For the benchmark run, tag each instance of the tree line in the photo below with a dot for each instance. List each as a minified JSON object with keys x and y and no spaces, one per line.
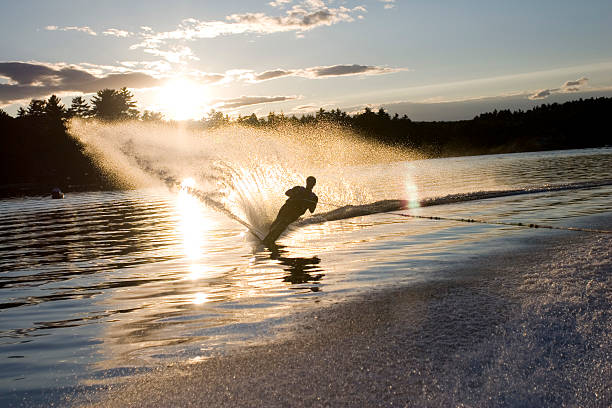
{"x":106,"y":104}
{"x":36,"y":152}
{"x":576,"y":124}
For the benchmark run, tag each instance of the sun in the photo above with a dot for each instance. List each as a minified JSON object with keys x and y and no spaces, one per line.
{"x":182,"y":99}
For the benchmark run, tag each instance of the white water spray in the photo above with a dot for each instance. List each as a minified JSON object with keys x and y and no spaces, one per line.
{"x":238,"y":170}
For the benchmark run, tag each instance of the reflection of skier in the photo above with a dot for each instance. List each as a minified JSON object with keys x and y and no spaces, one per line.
{"x":300,"y":199}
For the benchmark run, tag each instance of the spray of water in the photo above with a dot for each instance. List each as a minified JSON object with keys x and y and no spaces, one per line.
{"x":238,"y":170}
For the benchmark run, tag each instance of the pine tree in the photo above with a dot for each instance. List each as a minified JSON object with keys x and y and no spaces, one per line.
{"x":129,"y":110}
{"x":54,"y":110}
{"x":79,"y":108}
{"x":4,"y":116}
{"x":36,"y":109}
{"x":110,"y":104}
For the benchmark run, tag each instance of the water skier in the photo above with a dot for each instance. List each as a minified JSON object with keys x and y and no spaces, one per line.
{"x":300,"y":199}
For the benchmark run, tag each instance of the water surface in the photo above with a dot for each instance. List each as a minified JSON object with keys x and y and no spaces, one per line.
{"x":105,"y":284}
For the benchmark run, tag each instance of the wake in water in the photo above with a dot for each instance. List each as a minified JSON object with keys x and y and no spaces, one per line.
{"x":350,"y":211}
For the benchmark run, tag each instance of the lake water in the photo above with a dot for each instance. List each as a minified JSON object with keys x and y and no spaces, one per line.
{"x":102,"y":285}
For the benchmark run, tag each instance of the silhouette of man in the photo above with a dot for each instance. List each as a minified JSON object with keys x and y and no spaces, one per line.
{"x":300,"y":199}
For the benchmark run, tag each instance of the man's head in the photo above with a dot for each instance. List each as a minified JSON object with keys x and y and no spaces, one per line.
{"x":310,"y":182}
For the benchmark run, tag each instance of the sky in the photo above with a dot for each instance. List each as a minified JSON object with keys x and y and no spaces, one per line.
{"x":430,"y":60}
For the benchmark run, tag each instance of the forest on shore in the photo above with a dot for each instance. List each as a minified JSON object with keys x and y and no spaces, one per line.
{"x":37,"y":153}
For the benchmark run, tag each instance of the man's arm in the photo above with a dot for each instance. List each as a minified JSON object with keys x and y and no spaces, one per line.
{"x":291,"y":191}
{"x":313,"y":204}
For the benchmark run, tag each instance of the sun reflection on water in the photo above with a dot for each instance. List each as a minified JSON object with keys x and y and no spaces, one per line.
{"x":412,"y":192}
{"x":200,"y":298}
{"x":193,"y":224}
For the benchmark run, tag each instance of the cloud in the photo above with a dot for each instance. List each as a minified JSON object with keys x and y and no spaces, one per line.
{"x":178,"y":54}
{"x":250,"y":100}
{"x":297,"y":18}
{"x":207,"y":77}
{"x":279,"y":3}
{"x":151,"y":67}
{"x":567,"y":87}
{"x":319,"y":72}
{"x":238,"y":75}
{"x":579,"y":82}
{"x":267,"y":75}
{"x":305,"y":107}
{"x":343,"y":70}
{"x":542,"y":93}
{"x":300,"y":18}
{"x":114,"y":32}
{"x":38,"y":80}
{"x":85,"y":29}
{"x":574,"y":86}
{"x":389,"y":4}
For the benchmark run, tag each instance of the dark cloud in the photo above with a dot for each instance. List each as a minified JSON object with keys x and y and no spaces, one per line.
{"x":251,"y":100}
{"x":543,"y":93}
{"x":128,"y":80}
{"x":211,"y":78}
{"x":575,"y":84}
{"x":340,"y":70}
{"x":36,"y":80}
{"x":317,"y":18}
{"x":325,"y":72}
{"x":25,"y":73}
{"x":305,"y":107}
{"x":568,"y":86}
{"x":311,"y":73}
{"x":264,"y":76}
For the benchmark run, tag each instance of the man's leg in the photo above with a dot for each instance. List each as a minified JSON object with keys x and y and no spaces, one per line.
{"x":276,"y":229}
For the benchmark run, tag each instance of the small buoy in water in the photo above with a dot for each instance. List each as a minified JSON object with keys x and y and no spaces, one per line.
{"x":57,"y":193}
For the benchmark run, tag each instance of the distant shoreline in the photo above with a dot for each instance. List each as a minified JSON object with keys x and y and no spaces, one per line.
{"x":37,"y":153}
{"x":43,"y":189}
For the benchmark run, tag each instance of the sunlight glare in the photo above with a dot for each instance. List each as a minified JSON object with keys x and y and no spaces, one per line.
{"x":412,"y":193}
{"x":183,"y":99}
{"x":189,"y":182}
{"x":200,"y":298}
{"x":193,"y":223}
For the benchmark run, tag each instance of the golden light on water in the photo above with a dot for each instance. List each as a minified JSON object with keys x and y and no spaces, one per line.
{"x":193,"y":222}
{"x":193,"y":226}
{"x":197,"y":271}
{"x":412,"y":193}
{"x":200,"y":298}
{"x":181,"y":99}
